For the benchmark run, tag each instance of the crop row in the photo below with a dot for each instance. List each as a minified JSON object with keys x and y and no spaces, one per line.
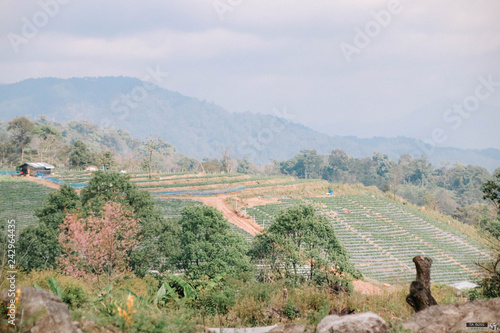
{"x":382,"y":238}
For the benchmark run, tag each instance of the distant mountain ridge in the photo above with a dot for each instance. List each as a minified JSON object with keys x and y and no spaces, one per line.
{"x":199,"y":128}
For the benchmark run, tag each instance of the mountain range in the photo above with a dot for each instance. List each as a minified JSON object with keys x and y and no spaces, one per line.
{"x":200,"y":128}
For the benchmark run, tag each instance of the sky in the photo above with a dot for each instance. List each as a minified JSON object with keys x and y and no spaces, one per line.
{"x":347,"y":67}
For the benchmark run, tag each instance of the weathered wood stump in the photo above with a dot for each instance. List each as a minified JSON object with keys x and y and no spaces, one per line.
{"x":420,"y":290}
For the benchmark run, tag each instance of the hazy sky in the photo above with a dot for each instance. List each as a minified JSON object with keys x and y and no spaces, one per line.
{"x":330,"y":63}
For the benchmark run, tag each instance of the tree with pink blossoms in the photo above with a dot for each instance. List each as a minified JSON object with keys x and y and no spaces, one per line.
{"x":99,"y":245}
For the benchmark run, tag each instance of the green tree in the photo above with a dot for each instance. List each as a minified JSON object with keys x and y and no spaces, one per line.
{"x":21,"y":129}
{"x":209,"y":246}
{"x":300,"y":238}
{"x":159,"y":236}
{"x":107,"y":160}
{"x":490,"y":285}
{"x":491,"y":190}
{"x":79,"y":156}
{"x":243,"y":166}
{"x":338,"y":166}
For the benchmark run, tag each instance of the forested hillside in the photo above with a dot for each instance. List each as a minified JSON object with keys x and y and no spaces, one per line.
{"x":199,"y":128}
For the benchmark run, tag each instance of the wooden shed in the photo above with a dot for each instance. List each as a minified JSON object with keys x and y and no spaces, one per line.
{"x":33,"y":169}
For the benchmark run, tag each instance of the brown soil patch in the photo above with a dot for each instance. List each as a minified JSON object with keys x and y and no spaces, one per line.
{"x":42,"y":182}
{"x":252,"y":202}
{"x":230,"y":214}
{"x":366,"y":288}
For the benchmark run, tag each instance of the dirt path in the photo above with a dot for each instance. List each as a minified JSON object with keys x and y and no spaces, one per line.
{"x":229,"y":213}
{"x":42,"y":182}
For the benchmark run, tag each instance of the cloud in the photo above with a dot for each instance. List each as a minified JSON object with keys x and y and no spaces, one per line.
{"x":267,"y":54}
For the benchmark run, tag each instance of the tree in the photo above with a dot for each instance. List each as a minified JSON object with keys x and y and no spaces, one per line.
{"x":6,"y":147}
{"x":227,"y":163}
{"x":107,"y":160}
{"x":38,"y":247}
{"x":21,"y":129}
{"x":152,"y":144}
{"x":49,"y":136}
{"x":338,"y":166}
{"x":297,"y":238}
{"x":243,"y":165}
{"x":99,"y":245}
{"x":209,"y":246}
{"x":159,"y":236}
{"x":490,"y":284}
{"x":79,"y":156}
{"x":491,"y":190}
{"x":421,"y":171}
{"x":306,"y":165}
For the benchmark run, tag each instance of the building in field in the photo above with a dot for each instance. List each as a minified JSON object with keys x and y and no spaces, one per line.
{"x":33,"y":169}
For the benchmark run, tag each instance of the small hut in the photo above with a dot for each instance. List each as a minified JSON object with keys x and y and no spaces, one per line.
{"x":33,"y":169}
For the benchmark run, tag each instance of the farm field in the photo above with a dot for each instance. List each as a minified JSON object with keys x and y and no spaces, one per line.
{"x":383,"y":236}
{"x":168,"y":185}
{"x":19,"y":198}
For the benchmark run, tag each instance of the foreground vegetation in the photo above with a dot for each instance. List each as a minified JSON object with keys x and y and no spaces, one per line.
{"x":228,"y":302}
{"x":284,"y":275}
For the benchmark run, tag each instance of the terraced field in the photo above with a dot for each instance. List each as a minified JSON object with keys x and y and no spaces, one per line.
{"x":383,"y":236}
{"x":168,"y":185}
{"x":19,"y":198}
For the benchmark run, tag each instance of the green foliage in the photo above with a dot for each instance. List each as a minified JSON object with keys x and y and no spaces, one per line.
{"x":79,"y":156}
{"x":299,"y":237}
{"x":39,"y":247}
{"x":289,"y":310}
{"x":21,"y":131}
{"x":491,"y":191}
{"x":58,"y":204}
{"x":55,"y":287}
{"x":490,"y":285}
{"x":209,"y":246}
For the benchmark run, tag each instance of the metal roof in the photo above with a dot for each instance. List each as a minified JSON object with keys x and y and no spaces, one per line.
{"x":41,"y":165}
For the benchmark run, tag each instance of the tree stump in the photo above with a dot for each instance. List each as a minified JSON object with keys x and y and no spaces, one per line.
{"x":420,"y":290}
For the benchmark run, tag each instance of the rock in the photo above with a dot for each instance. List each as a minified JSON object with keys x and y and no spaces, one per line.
{"x":366,"y":322}
{"x":54,"y":315}
{"x":453,"y":317}
{"x":291,"y":328}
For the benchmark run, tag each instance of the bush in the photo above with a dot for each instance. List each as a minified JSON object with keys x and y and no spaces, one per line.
{"x":75,"y":296}
{"x":289,"y":311}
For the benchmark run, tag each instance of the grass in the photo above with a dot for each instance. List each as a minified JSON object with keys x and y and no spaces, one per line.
{"x":172,"y":208}
{"x":247,"y":303}
{"x":19,"y":199}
